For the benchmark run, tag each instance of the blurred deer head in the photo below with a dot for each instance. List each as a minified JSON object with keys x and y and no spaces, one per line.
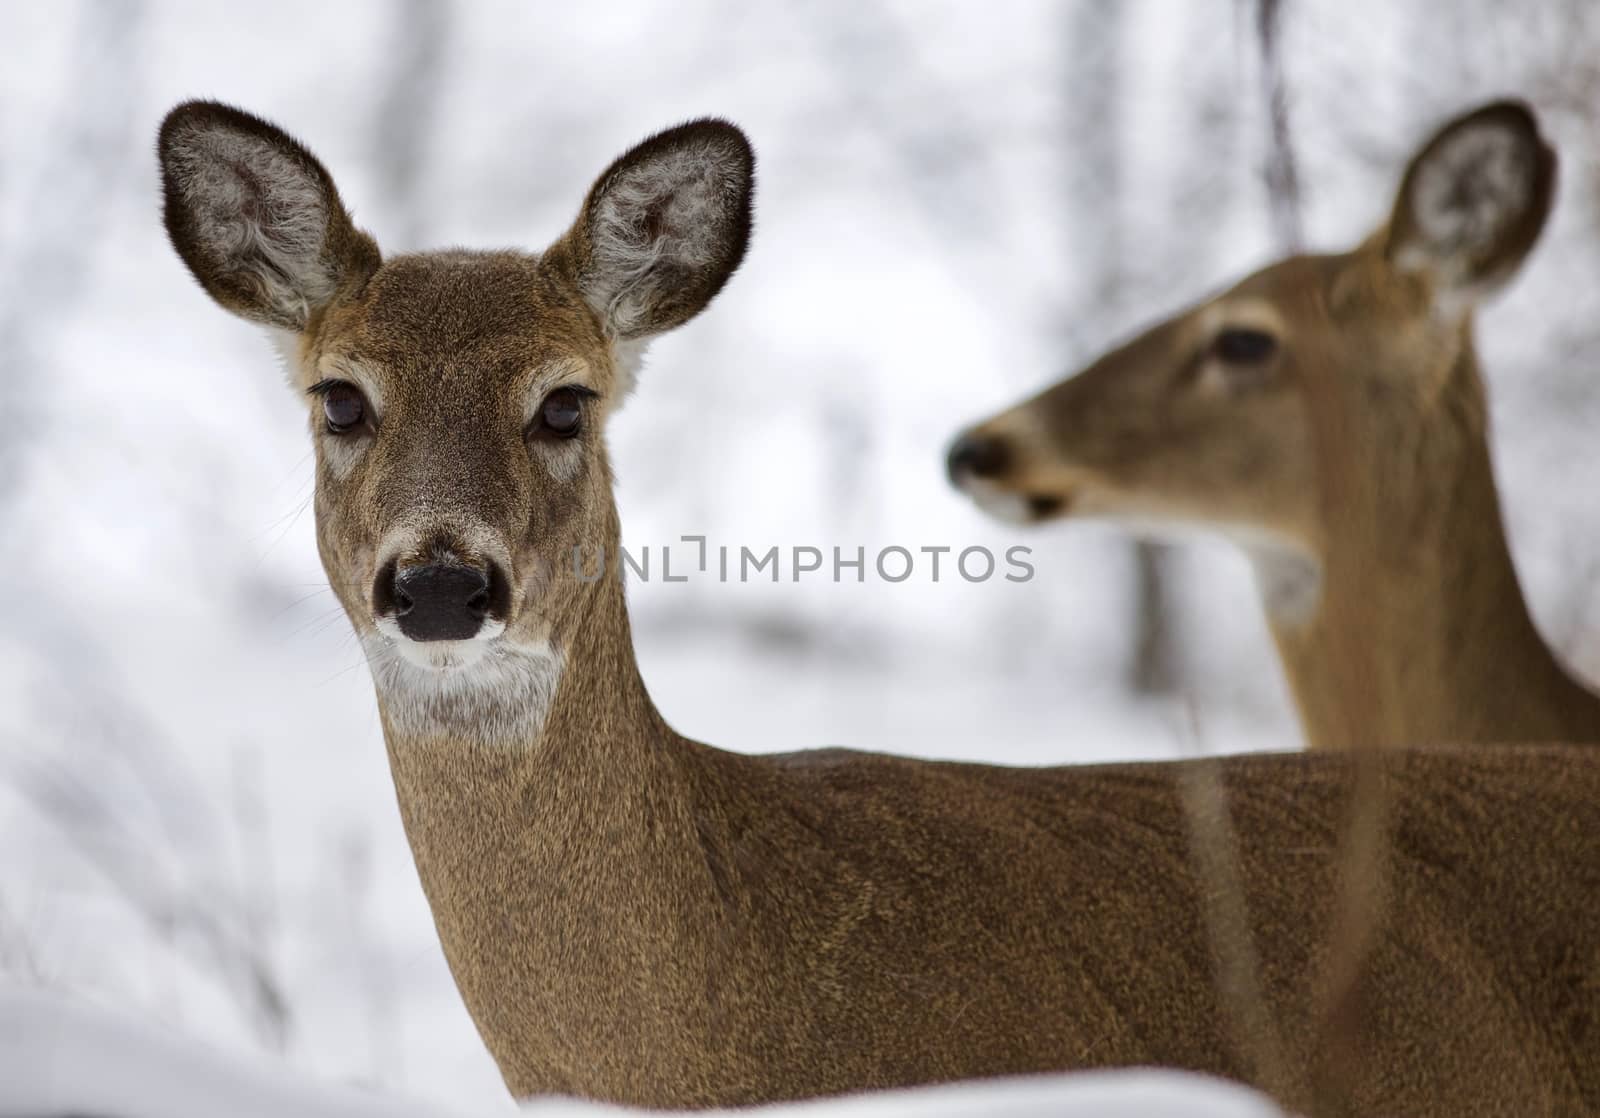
{"x":1328,"y":413}
{"x":1204,"y":418}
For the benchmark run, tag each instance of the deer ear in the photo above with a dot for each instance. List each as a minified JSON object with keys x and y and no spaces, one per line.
{"x":1473,"y":201}
{"x":255,"y":217}
{"x":663,"y":228}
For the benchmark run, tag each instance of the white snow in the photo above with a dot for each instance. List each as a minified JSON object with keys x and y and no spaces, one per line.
{"x":60,"y":1058}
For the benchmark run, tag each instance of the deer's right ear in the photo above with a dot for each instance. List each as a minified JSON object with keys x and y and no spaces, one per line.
{"x":255,"y":217}
{"x":1474,"y":201}
{"x":663,"y":228}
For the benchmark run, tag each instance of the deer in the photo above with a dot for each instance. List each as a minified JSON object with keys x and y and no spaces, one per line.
{"x":637,"y":917}
{"x":1328,"y":414}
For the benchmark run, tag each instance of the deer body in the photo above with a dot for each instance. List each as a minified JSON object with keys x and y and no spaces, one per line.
{"x":635,"y":917}
{"x":646,"y":920}
{"x":1329,"y":413}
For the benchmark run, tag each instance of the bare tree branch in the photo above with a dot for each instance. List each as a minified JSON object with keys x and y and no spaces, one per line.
{"x":1282,"y":175}
{"x":66,"y":207}
{"x":418,"y":47}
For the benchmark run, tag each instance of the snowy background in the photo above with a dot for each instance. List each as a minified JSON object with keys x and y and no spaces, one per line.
{"x":48,"y":1040}
{"x":958,"y":203}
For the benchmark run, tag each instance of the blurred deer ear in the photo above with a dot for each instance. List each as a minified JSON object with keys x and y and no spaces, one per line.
{"x":255,"y":217}
{"x":1473,"y":201}
{"x":663,"y":228}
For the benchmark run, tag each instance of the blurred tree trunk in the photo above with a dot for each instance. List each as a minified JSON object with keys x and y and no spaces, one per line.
{"x":1156,"y":667}
{"x":1096,"y":177}
{"x":1282,"y":173}
{"x":67,"y":203}
{"x":418,"y":42}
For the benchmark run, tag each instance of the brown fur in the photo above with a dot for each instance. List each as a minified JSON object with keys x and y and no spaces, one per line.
{"x":636,"y":917}
{"x":1358,"y":455}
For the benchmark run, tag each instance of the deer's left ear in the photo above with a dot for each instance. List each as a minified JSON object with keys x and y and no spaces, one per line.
{"x":1473,"y":202}
{"x":663,"y":229}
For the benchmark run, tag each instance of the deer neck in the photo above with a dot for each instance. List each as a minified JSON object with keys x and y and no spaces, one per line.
{"x":539,"y":853}
{"x":1419,"y":632}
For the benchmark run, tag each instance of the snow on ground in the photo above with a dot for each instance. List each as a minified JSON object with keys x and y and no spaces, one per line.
{"x":60,"y":1058}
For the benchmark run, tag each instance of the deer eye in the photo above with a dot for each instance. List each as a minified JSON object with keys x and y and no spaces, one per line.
{"x":1244,"y":347}
{"x":343,"y":407}
{"x":561,"y":414}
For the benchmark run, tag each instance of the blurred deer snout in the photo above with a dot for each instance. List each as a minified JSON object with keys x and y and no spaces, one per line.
{"x":440,"y":601}
{"x":974,"y":456}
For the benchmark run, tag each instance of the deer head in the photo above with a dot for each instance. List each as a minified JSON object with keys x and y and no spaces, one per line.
{"x":1208,"y":417}
{"x":457,"y":400}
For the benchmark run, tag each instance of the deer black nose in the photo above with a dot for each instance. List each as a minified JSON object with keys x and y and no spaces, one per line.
{"x":978,"y":456}
{"x":440,"y":601}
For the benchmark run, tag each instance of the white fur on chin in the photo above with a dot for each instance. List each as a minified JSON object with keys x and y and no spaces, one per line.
{"x":1002,"y":504}
{"x":486,"y":689}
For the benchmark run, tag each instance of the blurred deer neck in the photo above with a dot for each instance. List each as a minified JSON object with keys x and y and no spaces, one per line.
{"x":1420,"y":633}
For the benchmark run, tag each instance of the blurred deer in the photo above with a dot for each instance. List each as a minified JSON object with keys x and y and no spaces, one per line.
{"x":636,"y":917}
{"x":1328,"y":414}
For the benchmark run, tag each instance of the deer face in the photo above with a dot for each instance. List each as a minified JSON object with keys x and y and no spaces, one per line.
{"x":456,"y":400}
{"x":1196,"y":419}
{"x":1209,"y":417}
{"x":457,"y":404}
